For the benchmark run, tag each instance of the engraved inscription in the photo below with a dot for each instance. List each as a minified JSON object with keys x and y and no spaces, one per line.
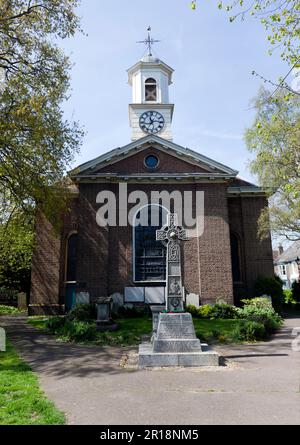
{"x":175,"y":326}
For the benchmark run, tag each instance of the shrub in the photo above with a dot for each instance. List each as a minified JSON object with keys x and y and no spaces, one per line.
{"x":288,"y":297}
{"x":55,"y":324}
{"x":266,"y":316}
{"x":83,"y":312}
{"x":8,"y":310}
{"x":71,"y":330}
{"x":249,"y":331}
{"x":259,"y":302}
{"x":78,"y":331}
{"x":205,"y":311}
{"x":192,"y":310}
{"x":272,"y":287}
{"x":132,"y":312}
{"x":296,"y":291}
{"x":223,"y":311}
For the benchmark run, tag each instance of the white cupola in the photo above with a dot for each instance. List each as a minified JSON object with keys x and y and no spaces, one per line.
{"x":150,"y":111}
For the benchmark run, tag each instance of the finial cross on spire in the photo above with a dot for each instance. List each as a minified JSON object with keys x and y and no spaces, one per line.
{"x":149,"y":41}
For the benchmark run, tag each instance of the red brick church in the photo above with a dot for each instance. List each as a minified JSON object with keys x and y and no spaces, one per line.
{"x":89,"y":260}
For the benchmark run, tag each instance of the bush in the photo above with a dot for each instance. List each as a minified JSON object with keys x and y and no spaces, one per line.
{"x":8,"y":310}
{"x":205,"y":311}
{"x":132,"y":312}
{"x":192,"y":310}
{"x":71,"y":330}
{"x":272,"y":287}
{"x":288,"y":297}
{"x":219,"y":310}
{"x":83,"y":312}
{"x":259,"y":302}
{"x":296,"y":291}
{"x":55,"y":324}
{"x":266,"y":316}
{"x":223,"y":311}
{"x":249,"y":331}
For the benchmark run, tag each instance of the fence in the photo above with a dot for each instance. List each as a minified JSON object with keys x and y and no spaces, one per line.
{"x":8,"y":297}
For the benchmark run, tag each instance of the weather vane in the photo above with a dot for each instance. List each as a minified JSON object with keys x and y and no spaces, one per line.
{"x":149,"y":41}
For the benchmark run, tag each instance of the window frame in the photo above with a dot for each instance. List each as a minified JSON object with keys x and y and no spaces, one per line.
{"x":154,"y":83}
{"x":134,"y":277}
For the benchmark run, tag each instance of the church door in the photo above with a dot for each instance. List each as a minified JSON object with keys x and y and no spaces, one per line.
{"x":71,"y":264}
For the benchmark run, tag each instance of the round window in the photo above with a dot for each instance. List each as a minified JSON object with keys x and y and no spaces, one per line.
{"x":151,"y":161}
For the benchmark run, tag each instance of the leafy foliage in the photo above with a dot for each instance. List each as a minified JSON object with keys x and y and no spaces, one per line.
{"x":16,"y":244}
{"x":275,"y":139}
{"x":83,"y":312}
{"x":271,"y":287}
{"x":71,"y":330}
{"x":296,"y":291}
{"x":224,"y":311}
{"x":249,"y":331}
{"x":36,"y":142}
{"x":8,"y":310}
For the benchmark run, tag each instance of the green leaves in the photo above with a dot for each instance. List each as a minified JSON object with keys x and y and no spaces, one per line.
{"x":275,"y":139}
{"x":36,"y":142}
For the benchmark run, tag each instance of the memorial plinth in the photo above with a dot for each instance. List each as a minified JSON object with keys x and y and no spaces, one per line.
{"x":175,"y":344}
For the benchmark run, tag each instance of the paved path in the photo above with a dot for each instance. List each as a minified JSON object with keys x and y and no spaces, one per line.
{"x":259,"y":385}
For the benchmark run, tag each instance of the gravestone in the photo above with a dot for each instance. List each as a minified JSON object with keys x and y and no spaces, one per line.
{"x":22,"y":301}
{"x":174,"y":342}
{"x":104,"y":319}
{"x":2,"y":340}
{"x":82,"y":298}
{"x":192,"y":300}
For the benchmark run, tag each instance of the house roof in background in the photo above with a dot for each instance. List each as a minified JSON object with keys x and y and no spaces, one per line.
{"x":291,"y":254}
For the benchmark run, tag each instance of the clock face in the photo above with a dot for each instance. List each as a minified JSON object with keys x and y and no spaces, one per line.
{"x":152,"y":122}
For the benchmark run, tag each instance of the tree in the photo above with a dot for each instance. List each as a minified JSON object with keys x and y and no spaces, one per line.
{"x":36,"y":142}
{"x":16,"y":243}
{"x":275,"y":139}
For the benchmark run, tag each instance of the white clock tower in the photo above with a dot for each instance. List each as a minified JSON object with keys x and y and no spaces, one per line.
{"x":150,"y":111}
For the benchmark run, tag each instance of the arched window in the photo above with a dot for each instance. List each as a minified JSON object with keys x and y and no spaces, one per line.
{"x":71,"y":258}
{"x":149,"y":255}
{"x":150,"y":90}
{"x":235,"y":257}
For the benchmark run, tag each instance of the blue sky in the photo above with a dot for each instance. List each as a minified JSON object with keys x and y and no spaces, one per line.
{"x":213,"y":85}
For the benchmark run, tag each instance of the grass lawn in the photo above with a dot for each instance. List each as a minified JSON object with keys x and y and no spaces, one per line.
{"x":21,"y":400}
{"x":132,"y":330}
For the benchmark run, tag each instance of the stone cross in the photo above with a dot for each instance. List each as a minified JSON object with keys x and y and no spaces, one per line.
{"x":173,"y":234}
{"x":2,"y":340}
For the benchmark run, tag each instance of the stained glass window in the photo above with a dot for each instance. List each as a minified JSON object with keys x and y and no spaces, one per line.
{"x":149,"y":254}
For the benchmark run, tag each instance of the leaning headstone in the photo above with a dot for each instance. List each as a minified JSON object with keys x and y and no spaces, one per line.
{"x":22,"y":301}
{"x":82,"y":298}
{"x":192,"y":300}
{"x":118,"y":301}
{"x":2,"y":340}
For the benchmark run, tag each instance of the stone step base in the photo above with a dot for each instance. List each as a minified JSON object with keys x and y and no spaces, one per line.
{"x":150,"y":359}
{"x":177,"y":345}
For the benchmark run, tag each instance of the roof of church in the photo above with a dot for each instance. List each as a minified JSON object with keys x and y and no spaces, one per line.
{"x":213,"y":170}
{"x":175,"y":149}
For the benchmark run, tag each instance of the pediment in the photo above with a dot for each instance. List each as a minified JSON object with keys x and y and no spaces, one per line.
{"x":173,"y":160}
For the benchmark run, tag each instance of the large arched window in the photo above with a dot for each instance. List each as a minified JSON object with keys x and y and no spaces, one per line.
{"x":235,"y":257}
{"x":71,"y":258}
{"x":150,"y":90}
{"x":149,"y":255}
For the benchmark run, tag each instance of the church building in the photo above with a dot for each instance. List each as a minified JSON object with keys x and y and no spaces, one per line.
{"x":89,"y":260}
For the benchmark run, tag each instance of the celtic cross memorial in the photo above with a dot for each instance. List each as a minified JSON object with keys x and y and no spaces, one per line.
{"x":173,"y":234}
